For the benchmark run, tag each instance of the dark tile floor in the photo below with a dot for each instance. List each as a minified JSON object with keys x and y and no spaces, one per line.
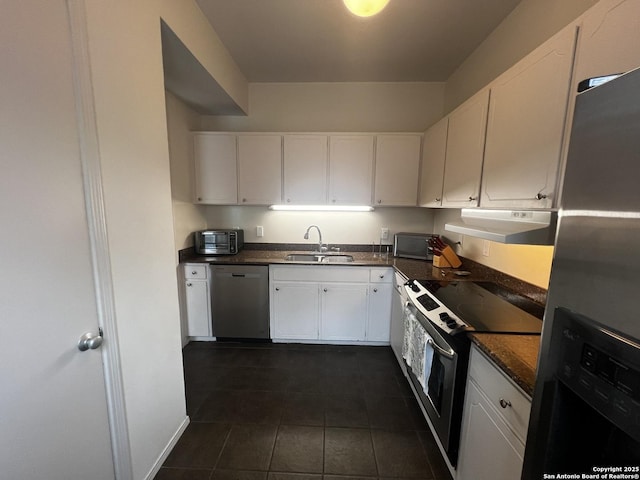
{"x":300,"y":412}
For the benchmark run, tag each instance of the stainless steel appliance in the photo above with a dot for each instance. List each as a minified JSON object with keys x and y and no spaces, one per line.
{"x":436,"y":347}
{"x":218,"y":241}
{"x":412,"y":245}
{"x":592,"y":301}
{"x":240,"y":301}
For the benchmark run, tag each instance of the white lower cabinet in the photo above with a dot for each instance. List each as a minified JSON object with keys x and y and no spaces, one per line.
{"x":494,"y":424}
{"x":332,"y":304}
{"x":197,"y":296}
{"x":343,"y":311}
{"x":380,"y":299}
{"x":296,"y":307}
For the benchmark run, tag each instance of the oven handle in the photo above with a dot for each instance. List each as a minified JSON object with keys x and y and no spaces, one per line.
{"x":449,"y":354}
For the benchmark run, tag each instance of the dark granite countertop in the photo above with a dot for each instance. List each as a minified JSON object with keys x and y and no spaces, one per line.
{"x":514,"y":354}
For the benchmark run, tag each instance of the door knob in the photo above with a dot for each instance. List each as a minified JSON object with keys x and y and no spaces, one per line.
{"x":90,"y":341}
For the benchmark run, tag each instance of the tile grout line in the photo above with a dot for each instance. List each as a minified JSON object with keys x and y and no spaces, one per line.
{"x":224,"y":444}
{"x":373,"y":448}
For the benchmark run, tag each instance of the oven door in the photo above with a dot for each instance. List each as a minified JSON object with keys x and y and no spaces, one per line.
{"x":439,"y":382}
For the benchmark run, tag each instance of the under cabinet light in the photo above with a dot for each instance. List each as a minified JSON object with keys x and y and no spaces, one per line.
{"x":322,"y":208}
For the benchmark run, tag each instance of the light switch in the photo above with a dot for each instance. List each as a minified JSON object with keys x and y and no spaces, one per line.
{"x":259,"y":231}
{"x":384,"y":233}
{"x":486,"y":248}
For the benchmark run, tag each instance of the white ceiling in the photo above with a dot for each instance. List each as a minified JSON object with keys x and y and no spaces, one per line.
{"x":320,"y":41}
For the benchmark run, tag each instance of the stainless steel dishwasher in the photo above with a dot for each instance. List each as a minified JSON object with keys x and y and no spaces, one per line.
{"x":240,"y":301}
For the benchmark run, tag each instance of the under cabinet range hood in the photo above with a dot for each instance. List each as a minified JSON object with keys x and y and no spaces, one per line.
{"x":526,"y":227}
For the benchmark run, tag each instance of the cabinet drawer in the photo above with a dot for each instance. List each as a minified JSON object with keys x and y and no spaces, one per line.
{"x":194,"y":271}
{"x":508,"y":400}
{"x":381,"y":275}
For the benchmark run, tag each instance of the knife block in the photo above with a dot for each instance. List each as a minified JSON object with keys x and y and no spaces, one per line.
{"x":451,"y":257}
{"x":440,"y":262}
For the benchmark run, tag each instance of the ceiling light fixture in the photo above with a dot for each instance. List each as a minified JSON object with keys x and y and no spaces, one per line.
{"x":365,"y":8}
{"x":322,"y":208}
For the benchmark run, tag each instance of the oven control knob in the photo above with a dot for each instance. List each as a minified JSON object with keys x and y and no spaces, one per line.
{"x":414,"y":286}
{"x":451,"y":323}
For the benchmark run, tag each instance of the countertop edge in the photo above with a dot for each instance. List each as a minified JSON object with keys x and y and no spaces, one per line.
{"x":515,"y":355}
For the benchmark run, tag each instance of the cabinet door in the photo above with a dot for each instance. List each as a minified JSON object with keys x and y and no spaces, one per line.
{"x":305,"y":169}
{"x":259,"y":169}
{"x":397,"y":318}
{"x":397,"y":167}
{"x":489,"y":450}
{"x":379,"y":324}
{"x":609,"y":39}
{"x":350,"y":169}
{"x":295,"y":310}
{"x":344,"y":311}
{"x":527,"y":115}
{"x":197,"y":302}
{"x":215,"y":168}
{"x":434,"y":148}
{"x":465,"y":150}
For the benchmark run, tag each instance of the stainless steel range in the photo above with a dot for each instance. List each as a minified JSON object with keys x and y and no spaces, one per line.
{"x":438,"y":316}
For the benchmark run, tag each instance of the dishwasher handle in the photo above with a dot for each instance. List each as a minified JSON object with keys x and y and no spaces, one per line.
{"x":237,"y":275}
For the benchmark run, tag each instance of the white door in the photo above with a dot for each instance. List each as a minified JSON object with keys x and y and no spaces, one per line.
{"x":305,"y":169}
{"x":53,"y":409}
{"x":350,"y":169}
{"x":397,"y":167}
{"x":344,"y":311}
{"x":295,"y":310}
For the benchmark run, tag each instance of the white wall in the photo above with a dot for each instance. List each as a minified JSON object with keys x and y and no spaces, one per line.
{"x":527,"y":26}
{"x":187,"y":217}
{"x":340,"y":227}
{"x":186,"y":20}
{"x":126,"y":62}
{"x":336,"y":107}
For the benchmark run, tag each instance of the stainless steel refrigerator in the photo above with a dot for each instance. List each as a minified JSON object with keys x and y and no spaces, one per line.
{"x":586,"y":405}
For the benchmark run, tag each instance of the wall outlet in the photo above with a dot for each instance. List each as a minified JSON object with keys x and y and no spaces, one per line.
{"x":384,"y":233}
{"x":259,"y":231}
{"x":486,"y":248}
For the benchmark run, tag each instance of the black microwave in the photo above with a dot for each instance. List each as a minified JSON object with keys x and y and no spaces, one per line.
{"x":218,"y":241}
{"x":413,"y":245}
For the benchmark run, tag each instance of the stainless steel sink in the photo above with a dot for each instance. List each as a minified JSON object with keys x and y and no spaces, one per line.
{"x":319,"y":257}
{"x":339,"y":258}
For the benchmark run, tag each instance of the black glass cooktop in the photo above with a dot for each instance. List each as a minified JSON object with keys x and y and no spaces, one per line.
{"x":488,"y":307}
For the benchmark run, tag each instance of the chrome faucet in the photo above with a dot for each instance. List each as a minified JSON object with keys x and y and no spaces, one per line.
{"x":321,"y":248}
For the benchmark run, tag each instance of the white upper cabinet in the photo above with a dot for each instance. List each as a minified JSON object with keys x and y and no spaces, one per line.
{"x":215,"y":168}
{"x":465,"y":149}
{"x":305,"y":169}
{"x":397,"y":167}
{"x":350,"y":169}
{"x":259,"y":169}
{"x":609,"y":39}
{"x":527,"y":116}
{"x":434,"y":148}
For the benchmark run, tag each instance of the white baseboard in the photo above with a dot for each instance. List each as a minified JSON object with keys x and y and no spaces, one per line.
{"x":167,"y":450}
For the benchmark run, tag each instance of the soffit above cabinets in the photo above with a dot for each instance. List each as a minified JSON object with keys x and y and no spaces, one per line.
{"x":187,"y":79}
